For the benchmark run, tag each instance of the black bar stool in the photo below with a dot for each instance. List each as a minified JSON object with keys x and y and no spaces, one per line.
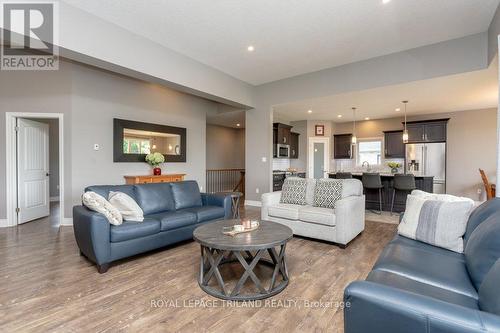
{"x":372,"y":181}
{"x":343,"y":175}
{"x":404,"y":183}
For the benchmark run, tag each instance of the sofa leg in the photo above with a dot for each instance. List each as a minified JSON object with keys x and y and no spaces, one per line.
{"x":81,"y":254}
{"x":102,"y":268}
{"x":342,"y":246}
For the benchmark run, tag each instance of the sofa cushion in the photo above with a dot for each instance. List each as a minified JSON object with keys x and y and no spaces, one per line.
{"x":284,"y":211}
{"x":186,"y":194}
{"x":206,"y":213}
{"x":103,"y":190}
{"x":311,"y":186}
{"x":480,"y":214}
{"x":318,"y":215}
{"x":294,"y":191}
{"x":327,"y":192}
{"x":133,"y":230}
{"x":351,"y":187}
{"x":174,"y":220}
{"x":421,"y":288}
{"x":427,"y":266}
{"x":398,"y":239}
{"x":154,"y":198}
{"x":489,"y":292}
{"x":437,"y":220}
{"x":483,"y":249}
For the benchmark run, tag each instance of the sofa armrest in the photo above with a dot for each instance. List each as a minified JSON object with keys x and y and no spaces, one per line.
{"x":267,"y":200}
{"x":92,"y":233}
{"x":372,"y":307}
{"x":349,"y":218}
{"x":218,"y":199}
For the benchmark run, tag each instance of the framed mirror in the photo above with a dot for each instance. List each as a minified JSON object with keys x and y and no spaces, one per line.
{"x":133,"y":140}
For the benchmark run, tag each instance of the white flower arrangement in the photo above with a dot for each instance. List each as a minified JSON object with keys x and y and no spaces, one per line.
{"x":155,"y":159}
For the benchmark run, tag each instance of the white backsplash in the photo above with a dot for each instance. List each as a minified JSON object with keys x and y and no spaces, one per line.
{"x":281,"y":163}
{"x":349,"y":165}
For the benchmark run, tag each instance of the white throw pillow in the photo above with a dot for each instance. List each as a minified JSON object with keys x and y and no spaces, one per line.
{"x":436,"y":219}
{"x":129,"y":209}
{"x":99,"y":204}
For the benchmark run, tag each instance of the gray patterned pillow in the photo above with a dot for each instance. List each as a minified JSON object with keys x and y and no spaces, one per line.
{"x":327,"y":193}
{"x":294,"y":191}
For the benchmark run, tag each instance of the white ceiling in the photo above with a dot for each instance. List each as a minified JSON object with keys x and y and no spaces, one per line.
{"x":292,"y":37}
{"x":467,"y":91}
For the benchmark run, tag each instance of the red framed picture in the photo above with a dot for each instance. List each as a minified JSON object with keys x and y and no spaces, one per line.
{"x":319,"y":130}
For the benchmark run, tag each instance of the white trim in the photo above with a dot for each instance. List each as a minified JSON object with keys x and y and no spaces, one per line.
{"x":253,"y":203}
{"x":310,"y":160}
{"x":11,"y":158}
{"x":54,"y":199}
{"x":3,"y":223}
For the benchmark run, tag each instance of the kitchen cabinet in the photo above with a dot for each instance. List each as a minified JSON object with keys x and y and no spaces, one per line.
{"x":427,"y":131}
{"x":342,"y":146}
{"x":294,"y":145}
{"x":394,"y":146}
{"x":281,"y":134}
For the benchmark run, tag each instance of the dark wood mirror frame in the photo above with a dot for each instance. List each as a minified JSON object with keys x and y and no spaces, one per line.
{"x":120,"y":124}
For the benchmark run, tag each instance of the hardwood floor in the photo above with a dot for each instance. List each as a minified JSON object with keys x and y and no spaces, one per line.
{"x":47,"y":286}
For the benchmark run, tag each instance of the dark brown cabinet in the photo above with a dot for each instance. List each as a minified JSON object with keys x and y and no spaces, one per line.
{"x":342,"y":146}
{"x":394,"y":146}
{"x":281,"y":133}
{"x":427,"y":131}
{"x":294,"y":145}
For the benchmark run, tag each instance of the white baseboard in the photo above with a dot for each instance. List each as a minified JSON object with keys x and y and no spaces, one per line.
{"x":53,"y":199}
{"x":68,"y":221}
{"x":253,"y":203}
{"x":3,"y":223}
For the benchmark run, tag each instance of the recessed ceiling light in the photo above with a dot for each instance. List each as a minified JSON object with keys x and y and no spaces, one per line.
{"x":367,"y":118}
{"x":386,"y":1}
{"x":250,"y":48}
{"x":309,"y":111}
{"x":238,"y":125}
{"x":398,"y":109}
{"x":339,"y":116}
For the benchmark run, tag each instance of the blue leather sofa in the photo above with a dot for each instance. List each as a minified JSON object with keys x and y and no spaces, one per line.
{"x":416,"y":287}
{"x":171,"y":212}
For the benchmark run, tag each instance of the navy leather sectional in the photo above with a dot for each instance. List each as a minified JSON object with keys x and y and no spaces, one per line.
{"x":416,"y":287}
{"x":171,"y":212}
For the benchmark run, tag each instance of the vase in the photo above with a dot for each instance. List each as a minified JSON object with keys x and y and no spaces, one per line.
{"x":394,"y":170}
{"x":157,"y":171}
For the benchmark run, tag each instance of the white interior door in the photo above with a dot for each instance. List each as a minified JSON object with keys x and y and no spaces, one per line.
{"x":32,"y":170}
{"x":319,"y":158}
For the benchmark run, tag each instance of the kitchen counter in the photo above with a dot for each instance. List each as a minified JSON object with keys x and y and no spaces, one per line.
{"x":424,"y":183}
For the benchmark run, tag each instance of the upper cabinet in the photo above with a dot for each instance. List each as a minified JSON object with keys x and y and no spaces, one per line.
{"x":282,"y":134}
{"x":427,"y":131}
{"x":394,"y":146}
{"x":294,"y":145}
{"x":342,"y":146}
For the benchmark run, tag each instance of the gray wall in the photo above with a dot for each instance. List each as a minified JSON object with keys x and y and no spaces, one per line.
{"x":225,"y":147}
{"x":89,"y":99}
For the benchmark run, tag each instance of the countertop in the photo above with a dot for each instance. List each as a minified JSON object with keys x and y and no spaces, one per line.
{"x":383,"y":175}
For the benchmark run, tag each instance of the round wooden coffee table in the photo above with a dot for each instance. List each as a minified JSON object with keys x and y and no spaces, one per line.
{"x":249,"y":250}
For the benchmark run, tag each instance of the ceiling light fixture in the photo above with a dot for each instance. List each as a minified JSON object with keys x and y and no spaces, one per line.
{"x":238,"y":125}
{"x":339,"y":116}
{"x":398,"y":109}
{"x":386,"y":1}
{"x":354,"y":139}
{"x":405,"y":131}
{"x":309,"y":111}
{"x":367,"y":118}
{"x":250,"y":48}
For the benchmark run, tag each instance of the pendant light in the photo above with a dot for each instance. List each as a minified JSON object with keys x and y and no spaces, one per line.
{"x":354,"y":140}
{"x":405,"y":131}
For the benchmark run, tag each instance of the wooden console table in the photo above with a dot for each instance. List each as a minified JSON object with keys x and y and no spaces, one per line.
{"x":166,"y":178}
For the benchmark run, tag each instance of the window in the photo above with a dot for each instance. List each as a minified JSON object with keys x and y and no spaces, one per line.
{"x":369,"y":150}
{"x":136,"y":146}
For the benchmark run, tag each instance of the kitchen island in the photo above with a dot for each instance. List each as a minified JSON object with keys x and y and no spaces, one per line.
{"x":424,"y":183}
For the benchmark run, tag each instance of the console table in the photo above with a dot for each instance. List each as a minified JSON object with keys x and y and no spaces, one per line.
{"x":166,"y":178}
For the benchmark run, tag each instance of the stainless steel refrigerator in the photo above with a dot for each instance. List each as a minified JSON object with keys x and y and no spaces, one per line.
{"x":428,"y":159}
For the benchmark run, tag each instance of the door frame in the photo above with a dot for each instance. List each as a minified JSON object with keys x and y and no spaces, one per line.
{"x":11,"y":161}
{"x":310,"y":153}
